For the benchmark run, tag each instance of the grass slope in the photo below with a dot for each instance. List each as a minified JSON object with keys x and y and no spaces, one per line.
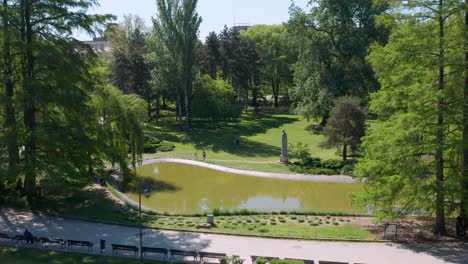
{"x":260,"y":141}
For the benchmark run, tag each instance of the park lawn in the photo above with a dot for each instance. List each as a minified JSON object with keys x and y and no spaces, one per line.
{"x":10,"y":255}
{"x":288,"y":226}
{"x":260,"y":141}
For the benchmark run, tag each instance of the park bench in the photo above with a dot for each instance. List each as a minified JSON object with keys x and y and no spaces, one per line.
{"x":21,"y":238}
{"x":46,"y":240}
{"x":80,"y":243}
{"x":210,"y":255}
{"x":183,"y":253}
{"x":116,"y":247}
{"x":306,"y":261}
{"x":155,"y":250}
{"x":7,"y":236}
{"x":331,"y":262}
{"x":254,"y":258}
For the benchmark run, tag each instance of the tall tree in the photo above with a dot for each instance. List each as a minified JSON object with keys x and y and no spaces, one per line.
{"x":410,"y":150}
{"x":464,"y":183}
{"x":276,"y":55}
{"x":333,"y":40}
{"x":130,"y":71}
{"x":239,"y":62}
{"x":210,"y":56}
{"x":177,"y":23}
{"x":11,"y":136}
{"x":43,"y":23}
{"x":188,"y":31}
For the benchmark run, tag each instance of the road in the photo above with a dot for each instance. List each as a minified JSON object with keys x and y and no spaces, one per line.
{"x":12,"y":221}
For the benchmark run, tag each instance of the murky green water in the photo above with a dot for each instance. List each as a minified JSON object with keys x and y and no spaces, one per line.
{"x":183,"y":188}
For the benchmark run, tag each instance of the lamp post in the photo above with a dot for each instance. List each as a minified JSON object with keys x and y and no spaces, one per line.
{"x":147,"y":192}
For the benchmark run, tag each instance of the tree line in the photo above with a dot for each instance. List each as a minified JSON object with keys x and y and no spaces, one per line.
{"x":66,"y":111}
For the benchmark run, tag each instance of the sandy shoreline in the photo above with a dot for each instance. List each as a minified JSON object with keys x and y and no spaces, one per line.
{"x":284,"y":176}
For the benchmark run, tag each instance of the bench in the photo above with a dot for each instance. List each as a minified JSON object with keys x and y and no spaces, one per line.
{"x":210,"y":255}
{"x":46,"y":240}
{"x":7,"y":236}
{"x":87,"y":244}
{"x":116,"y":247}
{"x":176,"y":252}
{"x":254,"y":258}
{"x":306,"y":261}
{"x":155,"y":250}
{"x":21,"y":238}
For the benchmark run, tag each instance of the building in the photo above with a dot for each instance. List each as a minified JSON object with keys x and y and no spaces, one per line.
{"x":99,"y":45}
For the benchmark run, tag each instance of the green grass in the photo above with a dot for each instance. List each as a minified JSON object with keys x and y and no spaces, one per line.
{"x":305,"y":227}
{"x":34,"y":256}
{"x":260,"y":140}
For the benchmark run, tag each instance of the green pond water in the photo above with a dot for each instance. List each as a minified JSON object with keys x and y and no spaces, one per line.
{"x":183,"y":188}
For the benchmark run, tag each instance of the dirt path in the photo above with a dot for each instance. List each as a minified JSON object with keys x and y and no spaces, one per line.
{"x":296,"y":177}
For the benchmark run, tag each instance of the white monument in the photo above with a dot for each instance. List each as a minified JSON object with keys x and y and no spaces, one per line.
{"x":284,"y":148}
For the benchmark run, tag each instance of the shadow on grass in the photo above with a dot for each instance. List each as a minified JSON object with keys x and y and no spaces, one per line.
{"x":221,"y":136}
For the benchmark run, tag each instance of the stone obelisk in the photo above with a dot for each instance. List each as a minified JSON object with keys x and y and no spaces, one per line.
{"x":284,"y":148}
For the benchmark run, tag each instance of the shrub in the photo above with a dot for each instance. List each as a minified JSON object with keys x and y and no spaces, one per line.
{"x":333,"y":164}
{"x":347,"y":170}
{"x":299,"y":151}
{"x":166,"y":146}
{"x":286,"y":261}
{"x":224,"y":260}
{"x":261,"y":260}
{"x":263,"y":230}
{"x":151,"y":145}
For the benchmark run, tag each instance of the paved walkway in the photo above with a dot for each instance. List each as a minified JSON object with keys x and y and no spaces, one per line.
{"x":295,"y":177}
{"x":370,"y":253}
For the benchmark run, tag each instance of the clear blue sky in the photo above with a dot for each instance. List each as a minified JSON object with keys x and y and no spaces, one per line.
{"x":215,"y":13}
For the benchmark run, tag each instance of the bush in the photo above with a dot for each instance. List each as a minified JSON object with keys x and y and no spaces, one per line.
{"x":166,"y":146}
{"x":299,"y":151}
{"x":261,"y":260}
{"x":347,"y":170}
{"x":151,"y":145}
{"x":286,"y":261}
{"x":333,"y":164}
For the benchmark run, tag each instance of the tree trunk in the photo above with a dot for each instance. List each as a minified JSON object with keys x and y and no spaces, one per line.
{"x":179,"y":110}
{"x":10,"y":117}
{"x":345,"y":152}
{"x":464,"y":183}
{"x":439,"y":152}
{"x":30,"y":108}
{"x":158,"y":108}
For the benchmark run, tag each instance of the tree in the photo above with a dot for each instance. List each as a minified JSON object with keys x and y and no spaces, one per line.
{"x":275,"y":54}
{"x":410,"y":151}
{"x":177,"y":23}
{"x":464,"y":183}
{"x":210,"y":56}
{"x":346,"y":124}
{"x":11,"y":132}
{"x":130,"y":71}
{"x":215,"y":100}
{"x":239,"y":62}
{"x":332,"y":41}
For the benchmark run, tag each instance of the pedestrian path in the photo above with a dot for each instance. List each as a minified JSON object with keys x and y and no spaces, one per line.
{"x":12,"y":221}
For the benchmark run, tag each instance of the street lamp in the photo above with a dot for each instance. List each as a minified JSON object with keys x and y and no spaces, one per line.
{"x":147,"y":192}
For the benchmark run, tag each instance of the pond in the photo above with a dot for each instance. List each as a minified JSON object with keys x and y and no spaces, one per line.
{"x":186,"y":188}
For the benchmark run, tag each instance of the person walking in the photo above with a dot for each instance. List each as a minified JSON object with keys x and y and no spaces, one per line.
{"x":196,"y":155}
{"x":204,"y":155}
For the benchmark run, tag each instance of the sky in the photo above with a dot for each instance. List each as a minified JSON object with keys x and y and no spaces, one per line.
{"x":215,"y":13}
